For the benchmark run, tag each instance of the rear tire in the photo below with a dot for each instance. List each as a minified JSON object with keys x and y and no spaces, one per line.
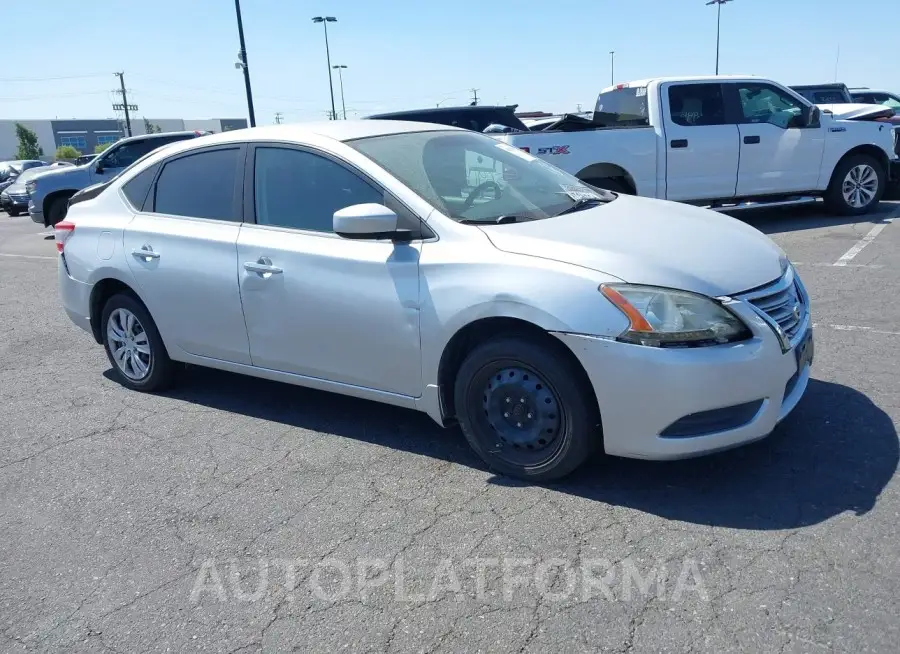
{"x":57,"y":211}
{"x":857,"y":185}
{"x":525,"y":409}
{"x":133,"y":345}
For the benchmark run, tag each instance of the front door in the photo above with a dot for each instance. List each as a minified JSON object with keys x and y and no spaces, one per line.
{"x":182,"y":250}
{"x":701,"y":146}
{"x":317,"y":304}
{"x":778,"y":154}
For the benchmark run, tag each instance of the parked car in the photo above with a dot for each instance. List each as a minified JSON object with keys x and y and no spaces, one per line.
{"x":50,"y":194}
{"x":545,"y":317}
{"x":724,"y":142}
{"x":10,"y":170}
{"x":840,"y":102}
{"x":476,"y":118}
{"x":876,"y":96}
{"x":85,"y":159}
{"x":14,"y":198}
{"x":835,"y":93}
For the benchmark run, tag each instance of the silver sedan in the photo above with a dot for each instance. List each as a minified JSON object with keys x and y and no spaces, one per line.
{"x":441,"y":270}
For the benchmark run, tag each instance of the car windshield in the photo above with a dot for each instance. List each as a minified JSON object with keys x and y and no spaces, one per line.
{"x":474,"y":178}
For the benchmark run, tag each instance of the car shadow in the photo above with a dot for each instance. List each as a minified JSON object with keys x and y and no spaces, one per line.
{"x":812,"y":216}
{"x":836,"y":452}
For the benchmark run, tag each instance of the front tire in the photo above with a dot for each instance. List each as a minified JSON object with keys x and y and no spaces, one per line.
{"x":13,"y":213}
{"x":856,"y":187}
{"x":134,"y":346}
{"x":57,"y":211}
{"x":525,"y":409}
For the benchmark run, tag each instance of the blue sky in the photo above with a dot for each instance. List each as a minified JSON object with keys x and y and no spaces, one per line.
{"x":178,"y":55}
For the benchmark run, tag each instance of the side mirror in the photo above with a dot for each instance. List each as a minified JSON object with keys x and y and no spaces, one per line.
{"x":366,"y":221}
{"x":99,"y":168}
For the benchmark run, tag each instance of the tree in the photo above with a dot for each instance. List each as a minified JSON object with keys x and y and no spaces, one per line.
{"x":28,"y":143}
{"x":150,"y":128}
{"x":67,"y":152}
{"x":100,"y":147}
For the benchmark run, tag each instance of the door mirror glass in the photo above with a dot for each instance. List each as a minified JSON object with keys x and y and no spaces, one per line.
{"x":365,"y":221}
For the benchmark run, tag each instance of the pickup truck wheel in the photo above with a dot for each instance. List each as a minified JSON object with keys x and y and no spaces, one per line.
{"x":525,"y":409}
{"x":57,"y":211}
{"x":608,"y":184}
{"x":856,"y":186}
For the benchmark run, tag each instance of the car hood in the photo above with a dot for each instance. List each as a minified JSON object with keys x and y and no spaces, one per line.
{"x":847,"y":111}
{"x":644,"y":241}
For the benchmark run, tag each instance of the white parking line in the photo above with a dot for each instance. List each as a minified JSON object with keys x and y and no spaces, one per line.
{"x":861,"y":244}
{"x":858,"y":328}
{"x":26,"y":256}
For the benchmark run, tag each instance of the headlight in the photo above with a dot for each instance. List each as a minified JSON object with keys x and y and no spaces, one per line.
{"x":29,"y":187}
{"x":664,"y":317}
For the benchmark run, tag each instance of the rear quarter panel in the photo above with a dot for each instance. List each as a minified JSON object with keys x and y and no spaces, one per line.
{"x":587,"y":154}
{"x":841,"y":136}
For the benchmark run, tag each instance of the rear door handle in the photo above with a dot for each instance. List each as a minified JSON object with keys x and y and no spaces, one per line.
{"x":751,"y":140}
{"x":146,"y":253}
{"x":679,"y":143}
{"x":263,"y":267}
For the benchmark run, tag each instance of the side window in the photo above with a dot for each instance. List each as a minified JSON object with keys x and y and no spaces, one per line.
{"x":697,"y":105}
{"x":761,"y":103}
{"x":137,"y":188}
{"x":302,"y":190}
{"x":199,"y":185}
{"x":127,"y":153}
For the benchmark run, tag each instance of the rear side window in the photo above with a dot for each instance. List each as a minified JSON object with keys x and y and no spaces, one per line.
{"x":829,"y":97}
{"x":137,"y":188}
{"x":624,"y":107}
{"x":697,"y":105}
{"x":199,"y":186}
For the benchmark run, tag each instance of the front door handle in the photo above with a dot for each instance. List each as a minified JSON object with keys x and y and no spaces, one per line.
{"x":263,"y":267}
{"x":751,"y":140}
{"x":679,"y":143}
{"x":146,"y":253}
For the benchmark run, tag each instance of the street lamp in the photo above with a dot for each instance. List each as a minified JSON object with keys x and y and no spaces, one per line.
{"x":718,"y":4}
{"x":242,"y":63}
{"x":325,"y":20}
{"x":612,"y":67}
{"x":341,"y":81}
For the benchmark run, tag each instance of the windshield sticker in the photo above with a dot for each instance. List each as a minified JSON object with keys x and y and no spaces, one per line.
{"x":554,"y":149}
{"x":640,"y":92}
{"x":516,"y":151}
{"x":580,"y":192}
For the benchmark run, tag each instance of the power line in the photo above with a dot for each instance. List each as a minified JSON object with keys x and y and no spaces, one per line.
{"x":50,"y":79}
{"x":52,"y":96}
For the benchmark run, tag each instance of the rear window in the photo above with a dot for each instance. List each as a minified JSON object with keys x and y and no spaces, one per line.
{"x":625,"y":107}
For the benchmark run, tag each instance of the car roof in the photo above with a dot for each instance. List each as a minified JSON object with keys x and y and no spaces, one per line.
{"x":828,"y":85}
{"x":686,"y":78}
{"x":313,"y":132}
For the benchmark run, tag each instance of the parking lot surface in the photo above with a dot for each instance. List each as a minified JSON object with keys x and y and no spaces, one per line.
{"x":234,"y":514}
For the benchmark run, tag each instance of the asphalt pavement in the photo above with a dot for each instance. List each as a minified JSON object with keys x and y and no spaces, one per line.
{"x":234,"y":515}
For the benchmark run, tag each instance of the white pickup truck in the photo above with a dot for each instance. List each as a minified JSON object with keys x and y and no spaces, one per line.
{"x":723,"y":142}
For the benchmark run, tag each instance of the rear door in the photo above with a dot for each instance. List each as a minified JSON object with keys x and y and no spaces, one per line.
{"x":181,"y":248}
{"x":702,"y":144}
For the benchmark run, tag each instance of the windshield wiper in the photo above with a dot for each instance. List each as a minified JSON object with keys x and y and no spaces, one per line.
{"x":583,"y":203}
{"x":498,"y":220}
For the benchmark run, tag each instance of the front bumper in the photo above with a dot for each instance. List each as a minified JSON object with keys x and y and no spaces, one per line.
{"x":36,"y":216}
{"x":643,"y":392}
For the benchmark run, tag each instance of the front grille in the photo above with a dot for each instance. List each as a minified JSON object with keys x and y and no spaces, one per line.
{"x":18,"y":197}
{"x":783,"y":302}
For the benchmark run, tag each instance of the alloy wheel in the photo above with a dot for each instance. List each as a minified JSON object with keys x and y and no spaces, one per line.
{"x":128,"y":343}
{"x":860,"y":186}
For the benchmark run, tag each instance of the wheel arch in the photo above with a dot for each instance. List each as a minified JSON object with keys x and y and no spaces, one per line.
{"x":608,"y":171}
{"x":100,"y":293}
{"x":481,"y":330}
{"x":52,"y":197}
{"x":865,"y":148}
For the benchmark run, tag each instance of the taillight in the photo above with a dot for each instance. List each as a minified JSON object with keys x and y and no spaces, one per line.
{"x":61,"y":232}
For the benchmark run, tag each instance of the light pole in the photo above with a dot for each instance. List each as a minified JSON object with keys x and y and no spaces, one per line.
{"x":341,"y":81}
{"x":325,"y":20}
{"x":242,"y":63}
{"x":612,"y":67}
{"x":718,"y":4}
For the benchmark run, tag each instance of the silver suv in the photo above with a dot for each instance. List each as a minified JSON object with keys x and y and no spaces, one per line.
{"x":49,"y":195}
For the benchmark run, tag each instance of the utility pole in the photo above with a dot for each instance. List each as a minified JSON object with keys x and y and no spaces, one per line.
{"x":121,"y":77}
{"x":718,"y":4}
{"x":341,"y":78}
{"x":242,"y":63}
{"x":325,"y":20}
{"x":474,"y":97}
{"x":278,"y":115}
{"x":612,"y":67}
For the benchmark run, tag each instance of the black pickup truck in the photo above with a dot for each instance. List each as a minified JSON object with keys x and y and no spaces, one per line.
{"x":476,"y":118}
